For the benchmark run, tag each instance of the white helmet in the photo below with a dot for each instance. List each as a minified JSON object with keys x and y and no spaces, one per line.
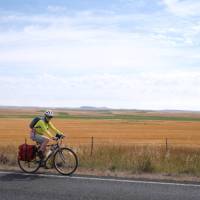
{"x":49,"y":113}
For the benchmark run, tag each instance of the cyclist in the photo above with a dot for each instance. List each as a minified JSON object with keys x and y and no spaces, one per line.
{"x":40,"y":132}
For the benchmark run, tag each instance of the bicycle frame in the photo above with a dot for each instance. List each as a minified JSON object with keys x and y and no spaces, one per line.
{"x":55,"y":147}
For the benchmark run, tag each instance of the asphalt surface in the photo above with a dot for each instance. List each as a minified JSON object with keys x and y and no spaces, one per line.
{"x":17,"y":186}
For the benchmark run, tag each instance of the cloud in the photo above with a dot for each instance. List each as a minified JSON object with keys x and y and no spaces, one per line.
{"x":55,"y":8}
{"x":108,"y":59}
{"x":78,"y":47}
{"x":146,"y":90}
{"x":183,"y":7}
{"x":75,"y":43}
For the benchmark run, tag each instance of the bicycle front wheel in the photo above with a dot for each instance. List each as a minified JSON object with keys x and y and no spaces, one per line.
{"x":65,"y":161}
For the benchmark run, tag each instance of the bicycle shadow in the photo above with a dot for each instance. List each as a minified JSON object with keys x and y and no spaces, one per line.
{"x":19,"y":177}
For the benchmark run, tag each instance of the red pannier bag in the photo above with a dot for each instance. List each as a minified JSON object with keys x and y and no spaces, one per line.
{"x":27,"y":152}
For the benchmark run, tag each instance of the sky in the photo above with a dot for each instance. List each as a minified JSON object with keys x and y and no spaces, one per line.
{"x":137,"y":54}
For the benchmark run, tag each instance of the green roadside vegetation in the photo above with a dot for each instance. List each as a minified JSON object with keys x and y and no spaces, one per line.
{"x":129,"y":117}
{"x":17,"y":116}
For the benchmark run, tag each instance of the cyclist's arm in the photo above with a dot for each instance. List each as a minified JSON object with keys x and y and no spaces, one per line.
{"x":54,"y":129}
{"x":49,"y":134}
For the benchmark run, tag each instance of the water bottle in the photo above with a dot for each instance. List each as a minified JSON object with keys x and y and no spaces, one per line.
{"x":48,"y":153}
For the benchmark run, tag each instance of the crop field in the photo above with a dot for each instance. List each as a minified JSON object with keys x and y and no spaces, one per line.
{"x":109,"y":126}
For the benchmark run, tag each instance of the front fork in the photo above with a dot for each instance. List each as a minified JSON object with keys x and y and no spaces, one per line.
{"x":61,"y":155}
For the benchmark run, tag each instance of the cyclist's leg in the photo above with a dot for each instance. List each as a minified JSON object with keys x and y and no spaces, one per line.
{"x":44,"y":144}
{"x":43,"y":141}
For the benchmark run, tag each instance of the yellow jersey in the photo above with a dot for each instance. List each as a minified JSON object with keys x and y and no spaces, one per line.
{"x":42,"y":128}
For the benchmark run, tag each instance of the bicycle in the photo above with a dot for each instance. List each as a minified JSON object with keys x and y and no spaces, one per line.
{"x":64,"y":159}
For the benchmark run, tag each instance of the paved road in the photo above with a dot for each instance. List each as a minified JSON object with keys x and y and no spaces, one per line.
{"x":17,"y":186}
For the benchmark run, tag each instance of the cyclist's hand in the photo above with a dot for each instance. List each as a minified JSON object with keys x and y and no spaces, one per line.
{"x":59,"y":136}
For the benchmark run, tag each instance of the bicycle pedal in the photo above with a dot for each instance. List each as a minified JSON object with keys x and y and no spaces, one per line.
{"x":42,"y":164}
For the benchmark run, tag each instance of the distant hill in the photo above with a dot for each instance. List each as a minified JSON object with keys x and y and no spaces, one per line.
{"x":94,"y":108}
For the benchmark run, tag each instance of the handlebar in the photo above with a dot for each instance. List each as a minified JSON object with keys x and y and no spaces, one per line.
{"x":59,"y":136}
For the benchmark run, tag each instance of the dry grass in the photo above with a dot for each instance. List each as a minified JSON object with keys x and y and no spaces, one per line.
{"x":132,"y":159}
{"x":139,"y":159}
{"x":8,"y":155}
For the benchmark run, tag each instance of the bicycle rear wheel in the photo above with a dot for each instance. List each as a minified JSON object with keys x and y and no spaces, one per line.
{"x":65,"y":161}
{"x":29,"y":166}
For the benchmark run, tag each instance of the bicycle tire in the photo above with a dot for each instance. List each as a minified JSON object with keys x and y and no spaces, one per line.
{"x":29,"y":171}
{"x":73,"y":156}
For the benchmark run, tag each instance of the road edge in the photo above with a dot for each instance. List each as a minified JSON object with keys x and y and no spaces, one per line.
{"x":108,"y":178}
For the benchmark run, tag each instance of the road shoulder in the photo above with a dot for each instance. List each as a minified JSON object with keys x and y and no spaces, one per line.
{"x":172,"y":178}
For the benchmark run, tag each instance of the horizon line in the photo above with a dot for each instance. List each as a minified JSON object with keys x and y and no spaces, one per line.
{"x":90,"y":108}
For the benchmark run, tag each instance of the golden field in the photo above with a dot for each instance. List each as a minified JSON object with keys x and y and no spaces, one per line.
{"x":14,"y":128}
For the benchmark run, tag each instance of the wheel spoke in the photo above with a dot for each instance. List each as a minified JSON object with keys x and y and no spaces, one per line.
{"x":62,"y":157}
{"x":65,"y":161}
{"x":29,"y":166}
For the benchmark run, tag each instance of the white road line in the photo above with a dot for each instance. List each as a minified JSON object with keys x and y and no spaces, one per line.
{"x":102,"y":179}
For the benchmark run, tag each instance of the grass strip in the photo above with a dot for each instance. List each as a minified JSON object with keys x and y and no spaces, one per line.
{"x":111,"y":117}
{"x":133,"y":159}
